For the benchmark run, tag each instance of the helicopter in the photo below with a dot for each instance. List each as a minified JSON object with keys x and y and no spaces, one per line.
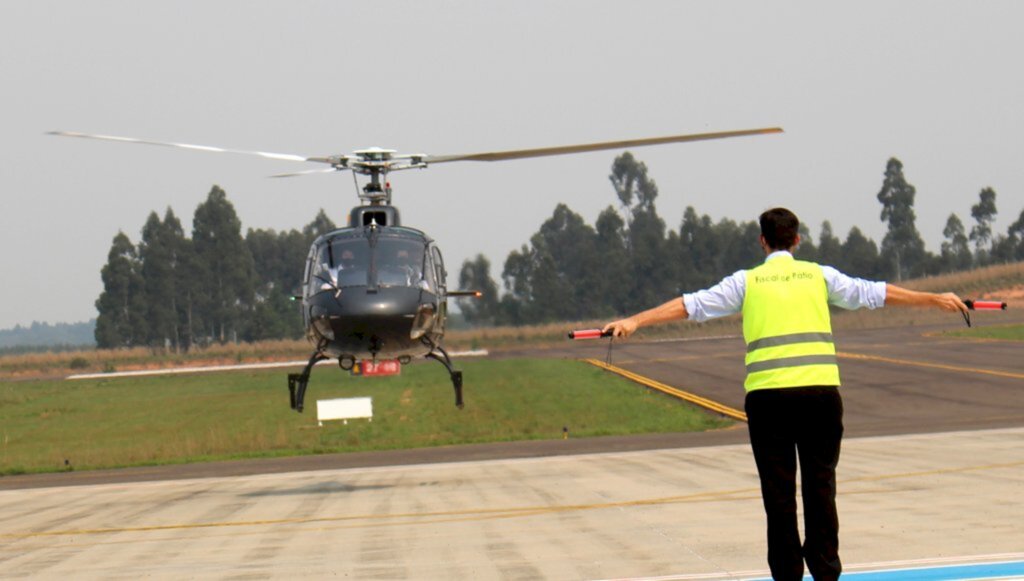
{"x":374,"y":293}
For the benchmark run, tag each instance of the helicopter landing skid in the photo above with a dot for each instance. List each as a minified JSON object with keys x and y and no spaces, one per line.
{"x":297,"y":382}
{"x":455,"y":375}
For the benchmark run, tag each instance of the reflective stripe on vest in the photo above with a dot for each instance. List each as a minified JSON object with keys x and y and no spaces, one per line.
{"x":787,"y":327}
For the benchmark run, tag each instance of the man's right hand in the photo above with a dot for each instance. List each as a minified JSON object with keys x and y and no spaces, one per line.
{"x":950,"y":302}
{"x":622,"y":327}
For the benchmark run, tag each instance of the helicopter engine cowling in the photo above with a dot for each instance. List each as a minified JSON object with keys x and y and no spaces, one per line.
{"x":377,"y":215}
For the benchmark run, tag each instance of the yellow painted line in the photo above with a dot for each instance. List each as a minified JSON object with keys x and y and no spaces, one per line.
{"x":411,"y":518}
{"x":683,"y":395}
{"x":936,"y":472}
{"x":847,"y":355}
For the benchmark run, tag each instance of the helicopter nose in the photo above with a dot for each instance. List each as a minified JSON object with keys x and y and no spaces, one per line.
{"x":320,"y":319}
{"x":384,"y":302}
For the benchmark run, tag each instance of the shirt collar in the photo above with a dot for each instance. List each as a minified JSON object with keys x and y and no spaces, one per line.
{"x":779,"y":254}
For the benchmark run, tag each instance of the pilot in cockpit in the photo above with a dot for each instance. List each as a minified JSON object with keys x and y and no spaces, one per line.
{"x":396,"y":268}
{"x":347,"y":270}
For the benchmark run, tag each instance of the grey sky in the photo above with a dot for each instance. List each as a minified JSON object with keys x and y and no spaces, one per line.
{"x":937,"y":84}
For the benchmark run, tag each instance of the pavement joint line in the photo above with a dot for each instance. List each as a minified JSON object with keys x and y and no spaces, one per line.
{"x":867,"y":357}
{"x":683,"y":395}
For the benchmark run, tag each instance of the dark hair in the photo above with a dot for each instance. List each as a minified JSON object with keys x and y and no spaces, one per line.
{"x":779,"y":227}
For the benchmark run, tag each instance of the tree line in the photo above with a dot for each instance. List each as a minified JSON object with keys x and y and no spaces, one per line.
{"x":629,"y":260}
{"x":172,"y":291}
{"x":39,"y":336}
{"x":175,"y":291}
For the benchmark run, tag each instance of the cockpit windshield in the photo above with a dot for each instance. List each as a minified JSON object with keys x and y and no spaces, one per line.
{"x":341,"y":263}
{"x":399,"y":262}
{"x":384,"y":261}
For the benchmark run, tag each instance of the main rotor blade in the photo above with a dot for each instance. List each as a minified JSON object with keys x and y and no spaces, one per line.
{"x":306,"y":172}
{"x":268,"y":155}
{"x":585,"y":147}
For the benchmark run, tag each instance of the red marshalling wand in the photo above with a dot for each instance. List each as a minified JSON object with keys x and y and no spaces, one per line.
{"x":589,"y":334}
{"x":977,"y":305}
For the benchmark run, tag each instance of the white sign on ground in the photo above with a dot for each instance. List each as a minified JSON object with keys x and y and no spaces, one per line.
{"x":344,"y":408}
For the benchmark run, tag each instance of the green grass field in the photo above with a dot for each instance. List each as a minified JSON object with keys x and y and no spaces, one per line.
{"x":187,"y":418}
{"x":1004,"y":332}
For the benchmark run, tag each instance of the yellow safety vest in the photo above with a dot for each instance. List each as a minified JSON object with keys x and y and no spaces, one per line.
{"x":787,"y":327}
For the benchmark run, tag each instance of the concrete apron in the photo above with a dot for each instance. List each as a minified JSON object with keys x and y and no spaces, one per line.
{"x":918,"y":501}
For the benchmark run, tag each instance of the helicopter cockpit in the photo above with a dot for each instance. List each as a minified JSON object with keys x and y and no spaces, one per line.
{"x":380,"y":261}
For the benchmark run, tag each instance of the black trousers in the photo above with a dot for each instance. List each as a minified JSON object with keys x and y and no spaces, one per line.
{"x":787,"y":424}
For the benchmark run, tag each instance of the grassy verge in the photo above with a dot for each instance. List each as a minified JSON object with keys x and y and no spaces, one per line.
{"x":174,"y":419}
{"x":1003,"y":332}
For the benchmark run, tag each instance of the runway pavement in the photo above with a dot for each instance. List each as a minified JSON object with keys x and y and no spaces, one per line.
{"x":930,"y":479}
{"x":895,"y":381}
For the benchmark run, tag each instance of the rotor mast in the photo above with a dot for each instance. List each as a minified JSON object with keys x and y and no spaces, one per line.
{"x":376,"y":162}
{"x":374,"y":193}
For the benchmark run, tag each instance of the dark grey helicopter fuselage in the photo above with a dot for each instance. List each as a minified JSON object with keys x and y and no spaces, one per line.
{"x":374,"y":292}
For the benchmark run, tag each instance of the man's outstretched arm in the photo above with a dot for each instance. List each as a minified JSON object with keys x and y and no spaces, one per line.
{"x":673,"y":310}
{"x":902,"y":297}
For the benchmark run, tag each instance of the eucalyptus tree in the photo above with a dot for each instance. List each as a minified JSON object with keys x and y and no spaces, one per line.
{"x":984,"y":213}
{"x":902,"y":248}
{"x":955,"y":253}
{"x":859,"y":255}
{"x":225,"y":267}
{"x":122,"y":304}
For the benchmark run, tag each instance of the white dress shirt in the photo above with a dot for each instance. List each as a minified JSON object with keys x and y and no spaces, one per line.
{"x":726,"y":297}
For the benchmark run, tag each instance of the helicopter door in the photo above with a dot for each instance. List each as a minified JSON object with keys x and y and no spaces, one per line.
{"x":442,"y":287}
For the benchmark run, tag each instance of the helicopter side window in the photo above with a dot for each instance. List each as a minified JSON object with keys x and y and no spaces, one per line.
{"x":399,"y":262}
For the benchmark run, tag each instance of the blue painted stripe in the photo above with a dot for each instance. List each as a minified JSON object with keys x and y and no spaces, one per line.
{"x":1012,"y":569}
{"x":983,"y":571}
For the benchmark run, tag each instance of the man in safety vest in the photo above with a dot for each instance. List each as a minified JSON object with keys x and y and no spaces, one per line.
{"x":794,"y":411}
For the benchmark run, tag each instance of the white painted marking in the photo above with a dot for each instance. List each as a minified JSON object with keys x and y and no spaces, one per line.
{"x":473,"y":353}
{"x":240,"y":367}
{"x":175,"y":370}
